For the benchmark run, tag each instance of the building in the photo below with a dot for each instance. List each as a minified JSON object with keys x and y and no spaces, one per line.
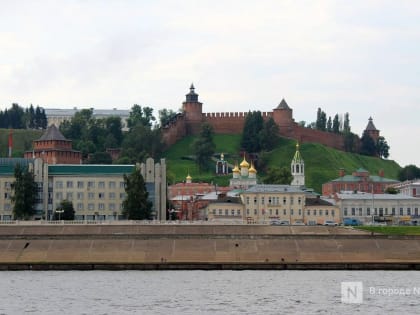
{"x":244,"y":177}
{"x":368,"y":208}
{"x":409,"y":188}
{"x":360,"y":180}
{"x":56,"y":116}
{"x":54,"y":148}
{"x":189,"y":122}
{"x":226,"y":209}
{"x":222,"y":166}
{"x":96,"y":191}
{"x":298,"y":169}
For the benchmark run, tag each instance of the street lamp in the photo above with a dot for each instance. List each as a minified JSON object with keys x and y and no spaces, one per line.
{"x":59,"y":211}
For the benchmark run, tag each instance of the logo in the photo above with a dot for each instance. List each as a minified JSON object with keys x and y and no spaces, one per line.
{"x":352,"y":292}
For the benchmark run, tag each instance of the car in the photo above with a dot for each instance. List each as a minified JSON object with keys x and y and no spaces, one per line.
{"x":278,"y":222}
{"x":330,"y":223}
{"x":298,"y":222}
{"x":351,"y":222}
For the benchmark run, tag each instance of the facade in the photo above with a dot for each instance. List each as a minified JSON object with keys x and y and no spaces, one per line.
{"x":96,"y":191}
{"x":409,"y":188}
{"x":192,"y":117}
{"x":54,"y":148}
{"x":226,"y":209}
{"x":368,"y":208}
{"x":360,"y":180}
{"x":56,"y":116}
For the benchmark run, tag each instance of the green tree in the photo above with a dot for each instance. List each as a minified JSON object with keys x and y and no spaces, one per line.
{"x":100,"y":158}
{"x":269,"y":135}
{"x":113,"y":126}
{"x":336,"y":124}
{"x":253,"y":125}
{"x":68,"y":211}
{"x":24,"y":193}
{"x":392,"y":191}
{"x":136,"y":205}
{"x":382,"y":148}
{"x":204,"y":146}
{"x":280,"y":176}
{"x":166,"y":116}
{"x":367,"y":145}
{"x":140,"y":116}
{"x":329,"y":124}
{"x":409,"y":172}
{"x":346,"y":124}
{"x":350,"y":142}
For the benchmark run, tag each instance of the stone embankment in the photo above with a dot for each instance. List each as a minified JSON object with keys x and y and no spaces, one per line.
{"x":209,"y":247}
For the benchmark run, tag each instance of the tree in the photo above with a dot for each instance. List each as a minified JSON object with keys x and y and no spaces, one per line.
{"x":281,"y":176}
{"x":409,"y":172}
{"x":24,"y":193}
{"x":166,"y":116}
{"x":368,"y":146}
{"x":346,"y":124}
{"x":329,"y":124}
{"x":136,"y":205}
{"x":100,"y":158}
{"x":269,"y":135}
{"x":250,"y":141}
{"x":392,"y":191}
{"x":336,"y":124}
{"x":350,"y":142}
{"x":68,"y":211}
{"x":321,"y":120}
{"x":204,"y":146}
{"x":382,"y":148}
{"x":113,"y":126}
{"x":140,"y":116}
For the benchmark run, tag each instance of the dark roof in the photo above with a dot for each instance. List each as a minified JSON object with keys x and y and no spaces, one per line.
{"x":283,"y":105}
{"x":317,"y":202}
{"x":370,"y":126}
{"x":52,"y":133}
{"x":89,"y":169}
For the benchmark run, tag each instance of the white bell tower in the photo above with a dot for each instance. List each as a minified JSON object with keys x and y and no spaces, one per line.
{"x":298,"y":169}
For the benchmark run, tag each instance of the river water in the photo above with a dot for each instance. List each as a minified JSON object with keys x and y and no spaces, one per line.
{"x":208,"y":292}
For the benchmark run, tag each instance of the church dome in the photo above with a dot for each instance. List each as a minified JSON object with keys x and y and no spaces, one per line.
{"x":236,"y":169}
{"x":252,"y":169}
{"x":244,"y":163}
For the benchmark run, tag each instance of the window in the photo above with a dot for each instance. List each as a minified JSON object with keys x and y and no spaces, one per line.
{"x":368,"y":211}
{"x":314,"y":212}
{"x":277,"y":200}
{"x":101,"y":185}
{"x":69,"y":196}
{"x":80,"y":184}
{"x":214,"y":211}
{"x":416,"y":211}
{"x":7,"y":206}
{"x":238,"y":212}
{"x":401,"y":211}
{"x":80,"y":206}
{"x":353,"y":211}
{"x":277,"y":211}
{"x":308,"y":212}
{"x":232,"y":211}
{"x":91,"y":184}
{"x":269,"y":200}
{"x":7,"y":185}
{"x":300,"y":211}
{"x":262,"y":200}
{"x":91,"y":195}
{"x":247,"y":200}
{"x":360,"y":212}
{"x":291,"y":200}
{"x":59,"y":195}
{"x":326,"y":212}
{"x":255,"y":211}
{"x":101,"y":195}
{"x":122,"y":195}
{"x":284,"y":212}
{"x":69,"y":184}
{"x":111,"y":206}
{"x":80,"y":195}
{"x":255,"y":200}
{"x":345,"y":211}
{"x":408,"y":211}
{"x":111,"y":195}
{"x":284,"y":200}
{"x":291,"y":211}
{"x":111,"y":185}
{"x":333,"y":212}
{"x":376,"y":211}
{"x":101,"y":206}
{"x":91,"y":206}
{"x":271,"y":211}
{"x":393,"y":211}
{"x":220,"y":211}
{"x":58,"y":184}
{"x":299,"y":200}
{"x":320,"y":212}
{"x":7,"y":196}
{"x":247,"y":211}
{"x":386,"y":211}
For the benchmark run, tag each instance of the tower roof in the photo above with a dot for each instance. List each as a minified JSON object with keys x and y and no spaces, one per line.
{"x":244,"y":163}
{"x":297,"y":158}
{"x":52,"y":133}
{"x":370,"y":126}
{"x":252,"y":169}
{"x":236,"y":169}
{"x":283,"y":105}
{"x":192,"y":96}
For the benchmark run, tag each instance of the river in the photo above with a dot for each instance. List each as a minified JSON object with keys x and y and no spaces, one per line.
{"x":209,"y":292}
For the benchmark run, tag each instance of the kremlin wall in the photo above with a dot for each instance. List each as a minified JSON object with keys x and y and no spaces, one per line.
{"x":190,"y":121}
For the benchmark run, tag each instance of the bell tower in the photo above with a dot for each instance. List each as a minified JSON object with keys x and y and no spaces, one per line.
{"x":298,"y":169}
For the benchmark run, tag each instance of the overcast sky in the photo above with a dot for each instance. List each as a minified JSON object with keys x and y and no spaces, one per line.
{"x":361,"y":57}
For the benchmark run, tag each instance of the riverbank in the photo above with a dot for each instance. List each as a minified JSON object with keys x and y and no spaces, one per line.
{"x":204,"y":247}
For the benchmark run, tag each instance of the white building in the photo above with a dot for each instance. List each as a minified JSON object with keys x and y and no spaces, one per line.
{"x":409,"y":188}
{"x":298,"y":169}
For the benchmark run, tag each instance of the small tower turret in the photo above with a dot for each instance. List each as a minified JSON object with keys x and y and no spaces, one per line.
{"x":193,"y":111}
{"x":372,"y":131}
{"x":298,"y":169}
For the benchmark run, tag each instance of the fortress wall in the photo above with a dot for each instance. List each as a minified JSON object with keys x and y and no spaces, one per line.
{"x":229,"y":122}
{"x":329,"y":139}
{"x":175,"y":131}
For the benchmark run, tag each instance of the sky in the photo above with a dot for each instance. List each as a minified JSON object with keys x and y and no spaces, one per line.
{"x":360,"y":57}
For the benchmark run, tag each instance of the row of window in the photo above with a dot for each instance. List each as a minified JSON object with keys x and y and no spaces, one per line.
{"x":381,"y":211}
{"x":90,"y":195}
{"x":274,"y":200}
{"x":274,"y":212}
{"x":88,"y":184}
{"x":92,"y":206}
{"x":226,"y":212}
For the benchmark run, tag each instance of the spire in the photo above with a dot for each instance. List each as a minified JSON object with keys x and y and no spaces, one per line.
{"x":192,"y":96}
{"x":297,"y":158}
{"x":283,"y":105}
{"x":370,"y":126}
{"x":298,"y":169}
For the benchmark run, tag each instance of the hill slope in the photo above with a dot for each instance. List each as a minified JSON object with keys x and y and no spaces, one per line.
{"x":22,"y":141}
{"x":322,"y":163}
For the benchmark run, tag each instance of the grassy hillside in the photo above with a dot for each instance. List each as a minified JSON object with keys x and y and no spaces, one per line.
{"x":322,"y":163}
{"x":22,"y":141}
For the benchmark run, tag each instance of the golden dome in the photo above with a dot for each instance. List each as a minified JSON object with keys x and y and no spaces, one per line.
{"x":236,"y":169}
{"x":189,"y":177}
{"x":244,"y":163}
{"x":252,"y":169}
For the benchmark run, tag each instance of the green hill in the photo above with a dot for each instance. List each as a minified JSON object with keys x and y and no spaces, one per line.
{"x":22,"y":141}
{"x":322,"y":163}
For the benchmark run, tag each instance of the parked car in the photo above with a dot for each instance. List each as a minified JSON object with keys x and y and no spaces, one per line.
{"x":351,"y":221}
{"x":279,"y":222}
{"x":298,"y":222}
{"x":330,"y":223}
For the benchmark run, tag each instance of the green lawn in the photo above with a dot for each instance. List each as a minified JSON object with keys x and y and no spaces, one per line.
{"x":392,"y":230}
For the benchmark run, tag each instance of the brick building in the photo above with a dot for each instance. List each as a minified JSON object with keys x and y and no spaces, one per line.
{"x":54,"y":148}
{"x":360,"y":180}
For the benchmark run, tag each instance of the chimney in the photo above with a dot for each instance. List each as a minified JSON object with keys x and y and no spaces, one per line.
{"x":381,"y":173}
{"x":341,"y":172}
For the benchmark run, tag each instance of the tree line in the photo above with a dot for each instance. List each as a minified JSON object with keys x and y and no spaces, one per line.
{"x":17,"y":117}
